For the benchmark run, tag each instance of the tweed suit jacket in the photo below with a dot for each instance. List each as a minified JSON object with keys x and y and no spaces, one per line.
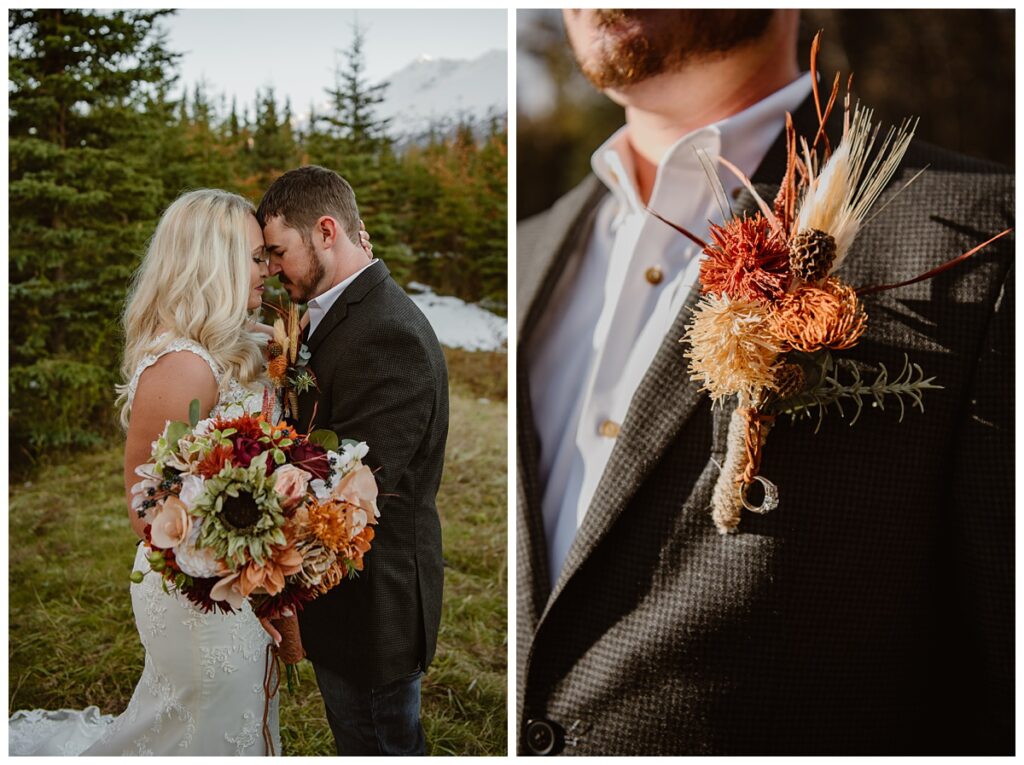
{"x":382,"y":378}
{"x":872,"y":611}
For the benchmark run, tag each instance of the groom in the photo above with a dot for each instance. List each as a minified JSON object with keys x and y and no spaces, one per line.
{"x":381,"y":378}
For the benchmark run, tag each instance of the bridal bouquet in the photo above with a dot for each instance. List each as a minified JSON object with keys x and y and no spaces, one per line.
{"x":773,"y":310}
{"x":239,"y":508}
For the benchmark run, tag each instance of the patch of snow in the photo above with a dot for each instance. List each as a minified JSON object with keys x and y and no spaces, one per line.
{"x":459,"y":324}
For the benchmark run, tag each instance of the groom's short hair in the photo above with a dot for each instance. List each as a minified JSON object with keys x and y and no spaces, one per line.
{"x":302,"y":196}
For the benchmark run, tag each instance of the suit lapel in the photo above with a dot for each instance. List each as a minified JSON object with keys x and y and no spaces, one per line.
{"x":353,"y":293}
{"x":666,"y":397}
{"x":664,"y":401}
{"x":538,"y":273}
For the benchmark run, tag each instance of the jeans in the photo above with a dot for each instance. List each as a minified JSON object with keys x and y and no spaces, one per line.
{"x":373,"y":721}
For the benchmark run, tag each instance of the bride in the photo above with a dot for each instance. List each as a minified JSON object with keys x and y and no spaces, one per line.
{"x":188,"y":335}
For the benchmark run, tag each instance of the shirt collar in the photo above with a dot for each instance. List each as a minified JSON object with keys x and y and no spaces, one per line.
{"x":743,"y":138}
{"x":321,"y":304}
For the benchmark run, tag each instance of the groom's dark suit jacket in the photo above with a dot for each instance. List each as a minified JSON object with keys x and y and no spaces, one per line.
{"x":873,"y":610}
{"x":382,"y":379}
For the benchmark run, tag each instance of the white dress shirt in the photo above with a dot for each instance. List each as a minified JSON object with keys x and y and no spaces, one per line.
{"x":321,"y":304}
{"x":612,"y":307}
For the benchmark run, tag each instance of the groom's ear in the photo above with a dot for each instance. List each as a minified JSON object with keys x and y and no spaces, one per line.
{"x":326,"y":231}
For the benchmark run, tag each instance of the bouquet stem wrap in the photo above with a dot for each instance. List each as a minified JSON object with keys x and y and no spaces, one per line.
{"x":290,"y":650}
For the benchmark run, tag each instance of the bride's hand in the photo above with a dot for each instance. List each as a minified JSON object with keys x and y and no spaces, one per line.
{"x":271,"y":630}
{"x":364,"y":240}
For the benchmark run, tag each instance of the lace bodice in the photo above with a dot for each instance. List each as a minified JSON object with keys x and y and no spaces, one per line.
{"x":230,"y":391}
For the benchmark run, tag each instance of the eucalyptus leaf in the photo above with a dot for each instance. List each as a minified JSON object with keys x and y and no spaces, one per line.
{"x":193,"y":412}
{"x":328,"y":439}
{"x":177,"y":431}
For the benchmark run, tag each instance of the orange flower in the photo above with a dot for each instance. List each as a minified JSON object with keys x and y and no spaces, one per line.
{"x":277,"y":369}
{"x":327,"y":523}
{"x":746,"y":260}
{"x":247,"y":426}
{"x":270,"y":576}
{"x":283,"y":430}
{"x":214,"y":462}
{"x":811,"y":318}
{"x":358,"y":547}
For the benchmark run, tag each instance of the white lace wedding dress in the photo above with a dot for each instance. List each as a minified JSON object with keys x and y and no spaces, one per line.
{"x":201,"y":690}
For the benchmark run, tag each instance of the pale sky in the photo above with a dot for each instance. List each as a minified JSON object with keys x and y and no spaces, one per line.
{"x":237,"y":51}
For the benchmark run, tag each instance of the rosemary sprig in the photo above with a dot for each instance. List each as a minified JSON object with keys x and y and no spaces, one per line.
{"x":830,"y":391}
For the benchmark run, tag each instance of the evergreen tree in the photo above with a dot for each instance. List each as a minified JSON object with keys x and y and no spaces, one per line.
{"x":85,"y":104}
{"x":273,"y":145}
{"x":352,"y":140}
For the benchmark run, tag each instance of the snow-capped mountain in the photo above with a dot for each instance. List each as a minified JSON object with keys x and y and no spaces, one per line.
{"x":440,"y":90}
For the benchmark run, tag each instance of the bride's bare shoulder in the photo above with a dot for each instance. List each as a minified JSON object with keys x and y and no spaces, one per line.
{"x":167,"y":387}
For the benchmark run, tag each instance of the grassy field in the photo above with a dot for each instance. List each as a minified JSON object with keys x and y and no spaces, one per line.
{"x":72,"y":636}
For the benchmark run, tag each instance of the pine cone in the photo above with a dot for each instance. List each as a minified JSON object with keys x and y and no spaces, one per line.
{"x":275,"y":349}
{"x":789,"y":380}
{"x":811,"y":254}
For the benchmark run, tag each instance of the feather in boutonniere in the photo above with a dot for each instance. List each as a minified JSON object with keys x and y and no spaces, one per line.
{"x":772,"y":310}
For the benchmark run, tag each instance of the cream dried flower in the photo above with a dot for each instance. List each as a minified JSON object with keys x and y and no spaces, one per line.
{"x":840,"y":194}
{"x":732,"y":350}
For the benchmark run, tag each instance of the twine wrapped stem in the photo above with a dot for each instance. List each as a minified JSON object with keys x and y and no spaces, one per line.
{"x":748,"y":432}
{"x":290,"y":652}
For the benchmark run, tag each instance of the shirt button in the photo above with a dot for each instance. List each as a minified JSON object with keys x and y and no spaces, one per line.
{"x":609,"y":429}
{"x":654,"y":275}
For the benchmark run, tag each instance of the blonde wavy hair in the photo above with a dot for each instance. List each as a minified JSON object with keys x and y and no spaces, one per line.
{"x":194,"y":283}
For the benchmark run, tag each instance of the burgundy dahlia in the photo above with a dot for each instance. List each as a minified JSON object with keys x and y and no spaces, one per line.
{"x":245,"y":450}
{"x":311,"y":458}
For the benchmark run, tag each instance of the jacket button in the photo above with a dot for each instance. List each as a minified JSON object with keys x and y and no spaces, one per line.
{"x":544,"y":737}
{"x":608,"y":429}
{"x":654,"y":275}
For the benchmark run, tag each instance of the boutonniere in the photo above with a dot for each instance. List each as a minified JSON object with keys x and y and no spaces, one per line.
{"x":772,"y":310}
{"x":289,"y":358}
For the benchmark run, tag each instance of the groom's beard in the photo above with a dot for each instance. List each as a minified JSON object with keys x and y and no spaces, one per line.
{"x":306,"y":286}
{"x":633,"y":45}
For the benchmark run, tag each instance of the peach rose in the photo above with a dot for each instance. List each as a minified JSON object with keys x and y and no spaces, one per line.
{"x":291,"y":483}
{"x":171,"y":525}
{"x":359,"y":488}
{"x":228,"y":589}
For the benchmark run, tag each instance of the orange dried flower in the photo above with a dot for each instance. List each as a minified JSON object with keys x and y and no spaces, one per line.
{"x":277,"y":369}
{"x":811,"y":318}
{"x":333,"y":523}
{"x":327,"y":523}
{"x":746,"y":260}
